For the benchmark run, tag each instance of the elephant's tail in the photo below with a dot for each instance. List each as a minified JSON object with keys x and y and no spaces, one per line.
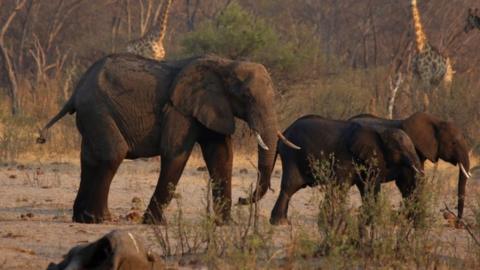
{"x":67,"y":108}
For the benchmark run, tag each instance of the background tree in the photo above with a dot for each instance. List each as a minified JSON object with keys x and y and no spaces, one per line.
{"x":334,"y":58}
{"x":6,"y":56}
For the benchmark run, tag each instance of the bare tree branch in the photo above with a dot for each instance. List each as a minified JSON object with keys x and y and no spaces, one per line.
{"x":10,"y":18}
{"x":393,"y":90}
{"x":463,"y":223}
{"x":59,"y":19}
{"x":8,"y":65}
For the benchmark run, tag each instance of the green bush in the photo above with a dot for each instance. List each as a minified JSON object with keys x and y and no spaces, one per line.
{"x":235,"y":33}
{"x":238,"y":34}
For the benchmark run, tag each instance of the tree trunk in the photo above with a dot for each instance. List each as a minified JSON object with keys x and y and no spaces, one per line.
{"x":12,"y":80}
{"x":25,"y":23}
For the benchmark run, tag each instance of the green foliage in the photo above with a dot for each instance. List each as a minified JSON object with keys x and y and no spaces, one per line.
{"x":238,"y":34}
{"x":235,"y":33}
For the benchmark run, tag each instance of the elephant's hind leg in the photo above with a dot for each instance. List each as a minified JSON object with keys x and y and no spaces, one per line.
{"x":103,"y":149}
{"x":91,"y":203}
{"x":218,"y":155}
{"x":407,"y":183}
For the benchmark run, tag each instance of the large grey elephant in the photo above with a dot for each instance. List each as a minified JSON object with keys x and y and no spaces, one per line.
{"x":129,"y":107}
{"x":434,"y":139}
{"x":351,"y":144}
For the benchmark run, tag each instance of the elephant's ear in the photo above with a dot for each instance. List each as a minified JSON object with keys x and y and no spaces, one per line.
{"x":90,"y":256}
{"x":421,"y":129}
{"x":199,"y":91}
{"x":366,"y":145}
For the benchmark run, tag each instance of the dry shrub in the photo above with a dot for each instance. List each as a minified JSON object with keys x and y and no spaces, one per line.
{"x":39,"y":101}
{"x":377,"y":235}
{"x":244,"y":244}
{"x":337,"y":96}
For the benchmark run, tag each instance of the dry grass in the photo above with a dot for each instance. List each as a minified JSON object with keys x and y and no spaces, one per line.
{"x":46,"y":190}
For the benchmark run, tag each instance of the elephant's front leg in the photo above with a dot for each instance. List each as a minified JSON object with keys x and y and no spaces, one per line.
{"x":366,"y":192}
{"x":218,"y":154}
{"x":179,"y":134}
{"x":366,"y":188}
{"x":406,"y":182}
{"x":170,"y":172}
{"x":292,"y":181}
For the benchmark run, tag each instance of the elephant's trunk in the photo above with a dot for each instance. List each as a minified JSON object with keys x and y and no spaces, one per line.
{"x":267,"y":147}
{"x":463,"y":175}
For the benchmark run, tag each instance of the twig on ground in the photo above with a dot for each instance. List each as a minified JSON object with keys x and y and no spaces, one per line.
{"x":464,"y":223}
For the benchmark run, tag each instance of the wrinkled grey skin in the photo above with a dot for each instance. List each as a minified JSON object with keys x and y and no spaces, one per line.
{"x":349,"y":143}
{"x":434,"y":139}
{"x":117,"y":250}
{"x":129,"y":107}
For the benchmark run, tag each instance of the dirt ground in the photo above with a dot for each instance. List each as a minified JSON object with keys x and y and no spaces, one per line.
{"x":36,"y":201}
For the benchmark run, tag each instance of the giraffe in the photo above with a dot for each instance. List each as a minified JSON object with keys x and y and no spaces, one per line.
{"x":473,"y":20}
{"x":150,"y":45}
{"x":429,"y":65}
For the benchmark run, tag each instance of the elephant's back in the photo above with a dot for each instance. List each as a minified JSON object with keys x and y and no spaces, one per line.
{"x":376,"y":122}
{"x":317,"y":136}
{"x":130,"y":78}
{"x":320,"y":140}
{"x":132,"y":92}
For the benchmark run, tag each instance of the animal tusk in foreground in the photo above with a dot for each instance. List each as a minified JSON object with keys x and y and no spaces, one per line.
{"x":287,"y":142}
{"x":417,"y":170}
{"x":261,"y":142}
{"x":134,"y":241}
{"x":464,"y":171}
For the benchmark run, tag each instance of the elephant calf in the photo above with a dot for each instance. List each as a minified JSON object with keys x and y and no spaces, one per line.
{"x":349,"y":143}
{"x":433,"y":139}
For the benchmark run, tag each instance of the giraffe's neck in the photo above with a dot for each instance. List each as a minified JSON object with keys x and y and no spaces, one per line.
{"x":158,"y":31}
{"x":420,"y":37}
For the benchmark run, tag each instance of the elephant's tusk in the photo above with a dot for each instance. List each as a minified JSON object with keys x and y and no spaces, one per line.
{"x":464,"y":171}
{"x":287,"y":142}
{"x":417,"y":170}
{"x":261,"y":142}
{"x":134,"y":241}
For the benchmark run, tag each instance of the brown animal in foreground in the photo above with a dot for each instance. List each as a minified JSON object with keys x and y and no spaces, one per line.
{"x":117,"y":250}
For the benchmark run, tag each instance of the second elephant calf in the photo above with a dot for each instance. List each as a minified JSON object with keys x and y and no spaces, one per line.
{"x":350,"y":144}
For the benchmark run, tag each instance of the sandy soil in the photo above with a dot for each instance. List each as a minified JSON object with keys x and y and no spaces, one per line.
{"x":36,"y":200}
